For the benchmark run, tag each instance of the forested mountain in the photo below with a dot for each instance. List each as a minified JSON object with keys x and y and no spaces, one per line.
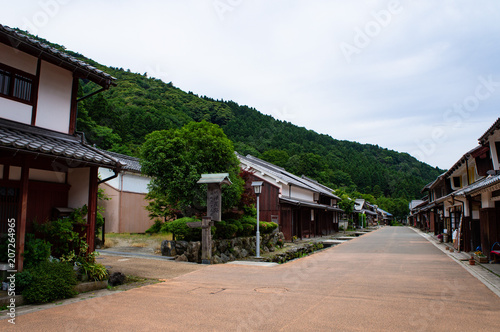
{"x":118,"y":119}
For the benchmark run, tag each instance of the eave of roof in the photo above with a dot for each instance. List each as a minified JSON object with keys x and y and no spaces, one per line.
{"x":309,"y":204}
{"x":38,"y":49}
{"x":43,"y":142}
{"x":495,"y":126}
{"x":478,"y":186}
{"x":461,"y":161}
{"x":129,"y":163}
{"x":285,"y":177}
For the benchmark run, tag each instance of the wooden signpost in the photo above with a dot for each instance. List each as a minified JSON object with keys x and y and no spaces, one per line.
{"x":214,"y":212}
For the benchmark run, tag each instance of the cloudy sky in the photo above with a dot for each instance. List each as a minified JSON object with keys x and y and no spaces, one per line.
{"x":421,"y":77}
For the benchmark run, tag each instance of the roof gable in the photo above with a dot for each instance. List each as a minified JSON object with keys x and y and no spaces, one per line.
{"x":38,"y":49}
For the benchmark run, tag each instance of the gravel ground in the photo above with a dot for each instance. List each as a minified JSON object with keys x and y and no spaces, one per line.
{"x":147,"y":267}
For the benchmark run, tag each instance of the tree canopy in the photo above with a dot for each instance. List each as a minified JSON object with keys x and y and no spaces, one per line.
{"x":176,"y":158}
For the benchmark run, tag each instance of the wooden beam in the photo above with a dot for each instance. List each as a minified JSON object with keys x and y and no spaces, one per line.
{"x":92,"y":208}
{"x":23,"y":212}
{"x":36,"y":85}
{"x":74,"y":106}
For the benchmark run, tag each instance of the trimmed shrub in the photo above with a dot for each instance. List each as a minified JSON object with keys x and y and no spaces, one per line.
{"x":156,"y":227}
{"x":50,"y":281}
{"x":23,"y":279}
{"x":181,"y":231}
{"x":248,"y":230}
{"x":249,"y":220}
{"x":36,"y":251}
{"x":267,"y":227}
{"x":225,"y":230}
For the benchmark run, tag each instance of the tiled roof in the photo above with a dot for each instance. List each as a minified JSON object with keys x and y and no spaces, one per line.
{"x":36,"y":48}
{"x":287,"y":177}
{"x":478,"y":186}
{"x":461,"y":161}
{"x":309,"y":204}
{"x":490,"y":131}
{"x":129,"y":163}
{"x":24,"y":138}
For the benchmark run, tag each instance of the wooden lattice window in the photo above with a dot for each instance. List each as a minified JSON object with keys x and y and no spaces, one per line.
{"x":16,"y":84}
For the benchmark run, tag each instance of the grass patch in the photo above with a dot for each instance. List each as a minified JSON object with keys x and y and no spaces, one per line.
{"x":134,"y":282}
{"x":135,"y":240}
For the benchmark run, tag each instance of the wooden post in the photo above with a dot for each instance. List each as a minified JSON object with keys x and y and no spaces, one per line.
{"x":214,"y":201}
{"x":92,"y":208}
{"x":21,"y":222}
{"x":206,"y":240}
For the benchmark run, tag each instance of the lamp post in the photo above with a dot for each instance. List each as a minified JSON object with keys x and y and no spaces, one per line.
{"x":257,"y":188}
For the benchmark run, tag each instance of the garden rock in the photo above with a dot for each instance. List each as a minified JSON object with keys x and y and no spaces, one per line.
{"x":180,"y":247}
{"x":224,"y":258}
{"x":168,"y":248}
{"x":181,"y":258}
{"x":117,"y":278}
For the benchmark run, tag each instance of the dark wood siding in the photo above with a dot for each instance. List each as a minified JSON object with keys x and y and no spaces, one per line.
{"x":42,"y":198}
{"x":268,"y":200}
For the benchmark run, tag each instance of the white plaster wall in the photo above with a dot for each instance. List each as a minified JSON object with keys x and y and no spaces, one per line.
{"x":78,"y":179}
{"x":15,"y":111}
{"x":446,"y":207}
{"x":493,"y":150}
{"x":105,"y":173}
{"x":47,"y":176}
{"x":135,"y":183}
{"x":486,"y":201}
{"x":54,"y":98}
{"x":302,"y":194}
{"x":17,"y":59}
{"x":15,"y":173}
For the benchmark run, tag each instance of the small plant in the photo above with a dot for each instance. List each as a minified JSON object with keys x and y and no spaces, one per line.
{"x":479,"y":253}
{"x":280,"y":243}
{"x":93,"y":271}
{"x":36,"y":251}
{"x":294,"y":238}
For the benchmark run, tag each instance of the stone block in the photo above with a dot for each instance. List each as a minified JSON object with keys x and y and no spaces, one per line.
{"x":168,"y":248}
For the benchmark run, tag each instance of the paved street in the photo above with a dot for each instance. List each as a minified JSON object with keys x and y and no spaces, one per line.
{"x":389,"y":280}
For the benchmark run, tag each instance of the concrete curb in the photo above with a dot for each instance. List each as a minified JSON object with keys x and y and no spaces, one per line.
{"x":488,"y":278}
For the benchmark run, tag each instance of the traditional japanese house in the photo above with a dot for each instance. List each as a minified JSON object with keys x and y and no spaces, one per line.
{"x":301,"y":206}
{"x":415,"y":217}
{"x":384,"y":217}
{"x":469,"y":195}
{"x":436,"y":192}
{"x":362,"y":207}
{"x":44,"y":163}
{"x":125,"y":210}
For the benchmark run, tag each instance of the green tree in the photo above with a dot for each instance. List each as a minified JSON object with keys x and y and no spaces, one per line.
{"x":176,"y":159}
{"x":277,"y":157}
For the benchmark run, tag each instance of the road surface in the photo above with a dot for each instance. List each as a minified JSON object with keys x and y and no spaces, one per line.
{"x":388,"y":280}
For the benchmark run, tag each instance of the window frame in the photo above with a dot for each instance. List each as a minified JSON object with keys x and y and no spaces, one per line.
{"x":24,"y":76}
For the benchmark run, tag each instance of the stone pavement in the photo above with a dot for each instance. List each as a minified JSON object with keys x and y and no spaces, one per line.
{"x":389,"y":280}
{"x":488,"y":274}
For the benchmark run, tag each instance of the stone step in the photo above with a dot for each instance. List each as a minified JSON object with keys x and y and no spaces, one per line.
{"x":332,"y":243}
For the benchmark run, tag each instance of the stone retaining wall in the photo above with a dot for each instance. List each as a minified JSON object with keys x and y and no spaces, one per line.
{"x":222,"y":250}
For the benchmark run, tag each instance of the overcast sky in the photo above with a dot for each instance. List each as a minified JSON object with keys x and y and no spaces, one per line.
{"x":421,"y":77}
